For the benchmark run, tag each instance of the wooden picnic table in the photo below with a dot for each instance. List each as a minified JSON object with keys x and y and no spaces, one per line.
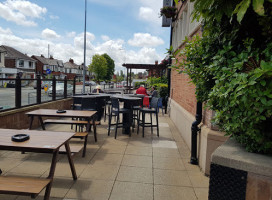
{"x":39,"y":142}
{"x":87,"y":115}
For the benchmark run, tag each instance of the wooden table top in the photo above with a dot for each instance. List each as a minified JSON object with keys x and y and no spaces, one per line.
{"x":69,"y":113}
{"x":40,"y":141}
{"x":94,"y":95}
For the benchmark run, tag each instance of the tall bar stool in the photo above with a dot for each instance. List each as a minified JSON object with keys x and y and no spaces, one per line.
{"x":152,"y":110}
{"x":116,"y":111}
{"x":107,"y":108}
{"x":89,"y":104}
{"x":136,"y":109}
{"x":76,"y":106}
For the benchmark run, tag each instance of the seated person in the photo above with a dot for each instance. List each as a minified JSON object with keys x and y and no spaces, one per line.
{"x":141,"y":90}
{"x":154,"y":92}
{"x":98,"y":89}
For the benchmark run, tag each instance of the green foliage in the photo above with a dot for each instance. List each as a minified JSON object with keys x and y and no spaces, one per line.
{"x":98,"y":67}
{"x":162,"y":89}
{"x":154,"y":80}
{"x":160,"y":83}
{"x":110,"y":67}
{"x":137,"y":84}
{"x":231,"y":66}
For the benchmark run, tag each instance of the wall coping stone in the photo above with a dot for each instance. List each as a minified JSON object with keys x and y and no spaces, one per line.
{"x":232,"y":154}
{"x":27,"y":108}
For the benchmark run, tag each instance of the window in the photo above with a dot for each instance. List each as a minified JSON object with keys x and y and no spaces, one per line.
{"x":30,"y":64}
{"x":21,"y":63}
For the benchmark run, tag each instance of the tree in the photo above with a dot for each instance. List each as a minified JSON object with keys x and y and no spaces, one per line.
{"x":110,"y":67}
{"x":98,"y":67}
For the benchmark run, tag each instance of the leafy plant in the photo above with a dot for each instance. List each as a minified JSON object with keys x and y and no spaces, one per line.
{"x":168,"y":11}
{"x":231,"y":66}
{"x":98,"y":67}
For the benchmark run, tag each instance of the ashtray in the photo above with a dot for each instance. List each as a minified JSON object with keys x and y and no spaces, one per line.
{"x":61,"y":111}
{"x":20,"y":137}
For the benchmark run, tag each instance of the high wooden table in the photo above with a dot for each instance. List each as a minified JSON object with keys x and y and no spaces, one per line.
{"x":39,"y":142}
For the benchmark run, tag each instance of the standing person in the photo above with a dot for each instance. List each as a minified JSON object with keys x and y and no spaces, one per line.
{"x":141,"y":90}
{"x":98,"y":89}
{"x":154,"y":92}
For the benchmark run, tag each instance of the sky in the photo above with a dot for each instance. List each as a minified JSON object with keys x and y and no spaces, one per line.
{"x":128,"y":31}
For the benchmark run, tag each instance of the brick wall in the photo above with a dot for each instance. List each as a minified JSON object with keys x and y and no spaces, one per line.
{"x":10,"y":63}
{"x":183,"y":92}
{"x":17,"y":119}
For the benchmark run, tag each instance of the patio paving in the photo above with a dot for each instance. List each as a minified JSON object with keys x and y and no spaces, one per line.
{"x":133,"y":168}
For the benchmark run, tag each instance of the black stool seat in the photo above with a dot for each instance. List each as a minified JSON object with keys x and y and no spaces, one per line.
{"x":116,"y":111}
{"x":152,"y":110}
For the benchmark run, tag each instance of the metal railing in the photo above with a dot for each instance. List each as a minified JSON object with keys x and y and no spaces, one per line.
{"x":16,"y":83}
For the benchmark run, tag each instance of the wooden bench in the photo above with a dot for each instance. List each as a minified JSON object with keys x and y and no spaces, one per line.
{"x":22,"y":185}
{"x":76,"y":149}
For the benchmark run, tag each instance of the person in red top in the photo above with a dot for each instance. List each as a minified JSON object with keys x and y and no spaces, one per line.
{"x":141,"y":90}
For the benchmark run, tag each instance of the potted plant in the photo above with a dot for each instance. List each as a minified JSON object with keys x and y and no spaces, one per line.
{"x":168,"y":11}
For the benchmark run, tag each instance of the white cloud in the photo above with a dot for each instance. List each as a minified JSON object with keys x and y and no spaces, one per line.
{"x":79,"y":40}
{"x":105,"y":37}
{"x":49,"y":34}
{"x":149,"y":15}
{"x":145,"y":40}
{"x":63,"y":51}
{"x":71,"y":34}
{"x":5,"y":31}
{"x":149,"y":11}
{"x":54,"y":17}
{"x":19,"y":11}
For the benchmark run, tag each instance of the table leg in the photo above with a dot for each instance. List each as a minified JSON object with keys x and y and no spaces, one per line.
{"x":68,"y":151}
{"x":94,"y":127}
{"x":51,"y":174}
{"x":41,"y":121}
{"x":31,"y":121}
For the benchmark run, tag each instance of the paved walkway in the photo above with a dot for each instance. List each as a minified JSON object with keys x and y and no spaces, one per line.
{"x":135,"y":168}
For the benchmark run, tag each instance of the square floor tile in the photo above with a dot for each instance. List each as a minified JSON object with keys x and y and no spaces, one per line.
{"x":107,"y":159}
{"x":131,"y":191}
{"x":164,"y":144}
{"x":198,"y":179}
{"x":171,"y":177}
{"x":108,"y":148}
{"x":202,"y":193}
{"x":138,"y":150}
{"x":135,"y":174}
{"x":163,"y":192}
{"x":168,"y":163}
{"x":90,"y":190}
{"x":166,"y":152}
{"x":137,"y":161}
{"x":100,"y":171}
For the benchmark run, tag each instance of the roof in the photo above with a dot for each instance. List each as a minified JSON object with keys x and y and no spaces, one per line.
{"x":49,"y":61}
{"x":2,"y":49}
{"x":71,"y":65}
{"x":12,"y":53}
{"x":144,"y":66}
{"x":41,"y":59}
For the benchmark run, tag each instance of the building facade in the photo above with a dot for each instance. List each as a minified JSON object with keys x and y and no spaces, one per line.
{"x":182,"y":92}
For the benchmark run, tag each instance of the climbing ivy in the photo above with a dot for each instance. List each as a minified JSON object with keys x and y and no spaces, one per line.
{"x":231,"y":66}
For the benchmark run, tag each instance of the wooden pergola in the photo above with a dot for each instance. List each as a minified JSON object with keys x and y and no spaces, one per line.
{"x":150,"y":67}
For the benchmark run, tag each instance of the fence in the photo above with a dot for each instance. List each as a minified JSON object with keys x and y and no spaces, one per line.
{"x":15,"y":95}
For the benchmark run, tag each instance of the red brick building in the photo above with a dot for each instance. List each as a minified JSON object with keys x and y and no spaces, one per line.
{"x":182,"y":92}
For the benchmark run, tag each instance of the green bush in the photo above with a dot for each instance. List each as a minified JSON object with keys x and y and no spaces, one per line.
{"x":154,"y":80}
{"x":137,"y":84}
{"x":231,"y":66}
{"x":162,"y":89}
